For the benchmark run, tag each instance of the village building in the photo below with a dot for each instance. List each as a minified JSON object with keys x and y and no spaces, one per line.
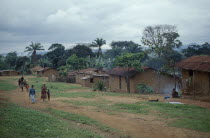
{"x":88,"y":77}
{"x":9,"y":73}
{"x":89,"y":81}
{"x":160,"y":82}
{"x":195,"y":74}
{"x":83,"y":73}
{"x":47,"y":72}
{"x":71,"y":77}
{"x":35,"y":69}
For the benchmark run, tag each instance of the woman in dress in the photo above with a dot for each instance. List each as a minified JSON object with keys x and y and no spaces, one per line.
{"x":44,"y":92}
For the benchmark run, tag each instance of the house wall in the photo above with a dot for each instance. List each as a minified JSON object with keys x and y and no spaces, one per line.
{"x":78,"y":77}
{"x":114,"y":83}
{"x":48,"y":73}
{"x":198,"y":83}
{"x":159,"y":82}
{"x":10,"y":73}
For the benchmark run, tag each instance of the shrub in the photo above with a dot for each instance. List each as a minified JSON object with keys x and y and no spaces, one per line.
{"x":100,"y":86}
{"x":143,"y":88}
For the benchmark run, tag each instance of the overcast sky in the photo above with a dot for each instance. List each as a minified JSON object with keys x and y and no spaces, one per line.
{"x":73,"y":21}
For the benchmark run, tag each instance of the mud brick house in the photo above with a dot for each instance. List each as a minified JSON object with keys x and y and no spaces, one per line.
{"x":161,"y":83}
{"x":9,"y":73}
{"x":83,"y":73}
{"x":195,"y":74}
{"x":72,"y":77}
{"x":88,"y":77}
{"x":89,"y":81}
{"x":47,"y":72}
{"x":35,"y":69}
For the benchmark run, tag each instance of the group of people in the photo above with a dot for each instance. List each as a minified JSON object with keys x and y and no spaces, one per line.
{"x":23,"y":83}
{"x":45,"y":93}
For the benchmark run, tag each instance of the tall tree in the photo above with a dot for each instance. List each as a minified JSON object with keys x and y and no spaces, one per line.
{"x":98,"y":43}
{"x":161,"y":38}
{"x":11,"y":59}
{"x":195,"y":50}
{"x":82,"y":50}
{"x":76,"y":63}
{"x":129,"y":61}
{"x":33,"y":48}
{"x":127,"y":46}
{"x":56,"y":54}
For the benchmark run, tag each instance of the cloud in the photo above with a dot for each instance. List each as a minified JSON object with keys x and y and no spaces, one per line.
{"x":67,"y":22}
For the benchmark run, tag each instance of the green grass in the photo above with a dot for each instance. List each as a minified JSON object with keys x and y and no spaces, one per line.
{"x":76,"y":94}
{"x":6,"y":85}
{"x":17,"y":121}
{"x":53,"y":86}
{"x":101,"y":102}
{"x":184,"y":116}
{"x":80,"y":119}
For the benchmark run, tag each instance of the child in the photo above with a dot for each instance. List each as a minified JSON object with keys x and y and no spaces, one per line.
{"x":27,"y":86}
{"x":48,"y":95}
{"x":32,"y":94}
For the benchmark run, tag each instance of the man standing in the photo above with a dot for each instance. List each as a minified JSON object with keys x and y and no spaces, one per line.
{"x":32,"y":93}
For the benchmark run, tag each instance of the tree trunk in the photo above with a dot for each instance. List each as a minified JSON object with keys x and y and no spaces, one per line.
{"x":174,"y":79}
{"x":99,"y":51}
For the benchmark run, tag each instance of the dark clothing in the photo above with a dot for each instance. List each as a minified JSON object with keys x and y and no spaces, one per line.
{"x":44,"y":92}
{"x":48,"y":95}
{"x":175,"y":94}
{"x":32,"y":91}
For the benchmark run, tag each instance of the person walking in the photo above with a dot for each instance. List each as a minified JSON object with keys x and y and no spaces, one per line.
{"x":48,"y":94}
{"x":21,"y":85}
{"x":44,"y":92}
{"x":32,"y":93}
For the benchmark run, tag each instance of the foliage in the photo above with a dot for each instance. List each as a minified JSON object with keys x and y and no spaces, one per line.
{"x":10,"y":59}
{"x":36,"y":124}
{"x":22,"y":64}
{"x":161,"y":38}
{"x":45,"y":62}
{"x":143,"y":88}
{"x":63,"y":71}
{"x":33,"y":48}
{"x":55,"y":54}
{"x":76,"y":63}
{"x":127,"y":46}
{"x":99,"y":42}
{"x":99,"y":62}
{"x":99,"y":86}
{"x":129,"y":60}
{"x":56,"y":46}
{"x":82,"y":50}
{"x":195,"y":50}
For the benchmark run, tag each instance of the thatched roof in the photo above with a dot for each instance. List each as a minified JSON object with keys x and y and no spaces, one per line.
{"x":37,"y":68}
{"x":120,"y":71}
{"x":199,"y":63}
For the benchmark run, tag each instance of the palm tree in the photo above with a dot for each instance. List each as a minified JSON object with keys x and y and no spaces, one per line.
{"x":32,"y":48}
{"x":98,"y":43}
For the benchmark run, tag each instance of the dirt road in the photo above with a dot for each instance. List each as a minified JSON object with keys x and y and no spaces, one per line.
{"x":133,"y":125}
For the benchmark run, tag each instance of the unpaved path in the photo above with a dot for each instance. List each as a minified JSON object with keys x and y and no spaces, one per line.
{"x":132,"y":125}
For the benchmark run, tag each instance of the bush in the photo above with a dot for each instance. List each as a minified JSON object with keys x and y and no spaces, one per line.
{"x":143,"y":88}
{"x":100,"y":86}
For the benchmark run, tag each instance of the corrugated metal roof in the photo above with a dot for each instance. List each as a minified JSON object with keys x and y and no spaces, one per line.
{"x":199,"y":63}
